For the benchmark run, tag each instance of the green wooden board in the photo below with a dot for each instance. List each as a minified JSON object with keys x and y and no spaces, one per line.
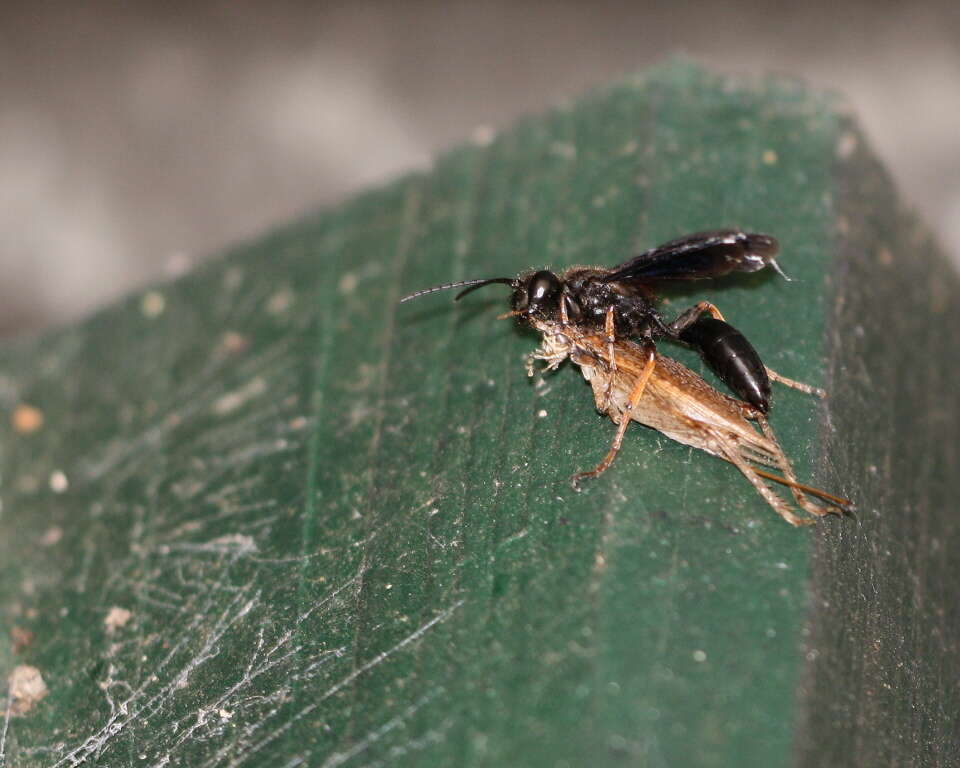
{"x":343,"y":527}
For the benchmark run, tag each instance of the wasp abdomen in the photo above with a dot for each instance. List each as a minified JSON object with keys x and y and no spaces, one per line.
{"x":732,"y":358}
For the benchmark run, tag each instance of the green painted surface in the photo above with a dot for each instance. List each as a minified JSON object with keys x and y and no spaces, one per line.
{"x":344,"y":531}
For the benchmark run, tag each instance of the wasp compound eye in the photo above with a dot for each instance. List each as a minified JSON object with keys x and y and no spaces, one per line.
{"x":543,"y":291}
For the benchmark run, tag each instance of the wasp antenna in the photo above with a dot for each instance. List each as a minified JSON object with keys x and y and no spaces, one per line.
{"x":474,"y":284}
{"x":481,"y":283}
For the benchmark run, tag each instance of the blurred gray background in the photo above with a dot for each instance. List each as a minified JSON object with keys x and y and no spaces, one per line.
{"x":137,"y":137}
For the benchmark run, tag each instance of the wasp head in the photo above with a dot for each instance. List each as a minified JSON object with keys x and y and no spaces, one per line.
{"x":537,"y":295}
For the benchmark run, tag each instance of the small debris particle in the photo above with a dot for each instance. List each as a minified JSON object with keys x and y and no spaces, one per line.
{"x":770,"y":157}
{"x":28,"y":484}
{"x":885,"y":256}
{"x":58,"y":481}
{"x":51,"y":536}
{"x":699,"y":656}
{"x":483,"y":135}
{"x":117,"y":618}
{"x":21,"y":638}
{"x":228,"y":544}
{"x":26,"y":688}
{"x":177,"y":264}
{"x":233,"y":400}
{"x":280,"y":302}
{"x":541,"y":414}
{"x":348,"y":284}
{"x":233,"y":343}
{"x":27,"y":419}
{"x":233,"y":279}
{"x":847,"y":145}
{"x":152,"y":304}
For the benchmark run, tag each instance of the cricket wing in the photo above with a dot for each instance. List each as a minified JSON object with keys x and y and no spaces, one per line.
{"x":687,"y":409}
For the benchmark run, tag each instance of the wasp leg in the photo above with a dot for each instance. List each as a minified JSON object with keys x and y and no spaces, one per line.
{"x":690,"y":316}
{"x":793,"y":384}
{"x":635,"y":394}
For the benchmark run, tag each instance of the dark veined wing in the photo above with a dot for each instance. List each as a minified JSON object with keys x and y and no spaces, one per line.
{"x":699,"y":256}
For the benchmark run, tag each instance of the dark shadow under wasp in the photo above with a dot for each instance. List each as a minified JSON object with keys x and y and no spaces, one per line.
{"x":607,"y":322}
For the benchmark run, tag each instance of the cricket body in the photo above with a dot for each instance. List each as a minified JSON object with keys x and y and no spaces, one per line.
{"x":606,"y":321}
{"x":641,"y":385}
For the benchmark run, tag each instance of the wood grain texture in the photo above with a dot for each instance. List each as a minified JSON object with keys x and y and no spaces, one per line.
{"x":343,"y":528}
{"x":882,"y":678}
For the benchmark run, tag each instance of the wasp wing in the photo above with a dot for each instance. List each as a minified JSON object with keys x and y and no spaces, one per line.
{"x":699,"y":256}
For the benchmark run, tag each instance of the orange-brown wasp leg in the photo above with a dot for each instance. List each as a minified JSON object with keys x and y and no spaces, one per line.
{"x":793,"y":384}
{"x":706,"y":306}
{"x":635,"y":394}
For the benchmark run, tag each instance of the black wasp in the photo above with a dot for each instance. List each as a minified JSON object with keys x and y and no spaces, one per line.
{"x":621,"y":301}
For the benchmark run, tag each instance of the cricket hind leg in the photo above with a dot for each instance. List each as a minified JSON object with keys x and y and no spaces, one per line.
{"x":625,"y":417}
{"x":729,"y":450}
{"x":836,"y":507}
{"x":609,"y":329}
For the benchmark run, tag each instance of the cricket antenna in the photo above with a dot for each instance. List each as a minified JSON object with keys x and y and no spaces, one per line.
{"x":472,"y":286}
